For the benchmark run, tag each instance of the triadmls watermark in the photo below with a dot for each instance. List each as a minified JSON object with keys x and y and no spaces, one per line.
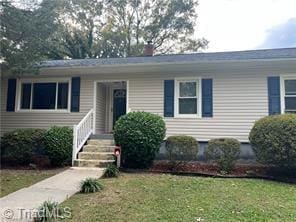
{"x":30,"y":214}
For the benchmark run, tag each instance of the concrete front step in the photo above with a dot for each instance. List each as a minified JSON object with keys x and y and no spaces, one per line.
{"x":96,"y":156}
{"x":102,"y":137}
{"x":95,"y":148}
{"x":92,"y":163}
{"x":88,"y":168}
{"x":101,"y":142}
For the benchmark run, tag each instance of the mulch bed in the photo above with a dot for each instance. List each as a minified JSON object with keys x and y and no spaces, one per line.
{"x":30,"y":167}
{"x":197,"y":168}
{"x":240,"y":170}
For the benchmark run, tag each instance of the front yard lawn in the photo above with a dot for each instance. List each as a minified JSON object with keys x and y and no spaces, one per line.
{"x":159,"y":197}
{"x":13,"y":180}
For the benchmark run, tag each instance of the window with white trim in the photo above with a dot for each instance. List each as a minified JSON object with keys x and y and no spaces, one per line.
{"x":290,"y":95}
{"x":44,"y":96}
{"x":187,"y":95}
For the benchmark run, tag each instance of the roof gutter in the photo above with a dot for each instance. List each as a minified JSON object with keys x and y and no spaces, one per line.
{"x":169,"y":63}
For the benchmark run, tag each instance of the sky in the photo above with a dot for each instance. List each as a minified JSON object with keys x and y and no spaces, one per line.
{"x":232,"y":25}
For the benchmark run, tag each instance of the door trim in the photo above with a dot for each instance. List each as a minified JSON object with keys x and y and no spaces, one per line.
{"x":95,"y":96}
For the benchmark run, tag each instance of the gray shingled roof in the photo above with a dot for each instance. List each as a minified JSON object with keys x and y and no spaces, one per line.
{"x":286,"y":53}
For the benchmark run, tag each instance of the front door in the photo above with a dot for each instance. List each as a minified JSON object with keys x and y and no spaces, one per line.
{"x":119,"y":104}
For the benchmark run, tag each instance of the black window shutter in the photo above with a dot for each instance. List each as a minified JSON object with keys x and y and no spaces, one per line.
{"x":11,"y":93}
{"x":207,"y":97}
{"x":169,"y":91}
{"x":75,"y":94}
{"x":274,"y":95}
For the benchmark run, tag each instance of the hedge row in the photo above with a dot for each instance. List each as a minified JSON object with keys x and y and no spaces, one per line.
{"x":223,"y":151}
{"x":140,"y":135}
{"x":25,"y":146}
{"x":273,"y":140}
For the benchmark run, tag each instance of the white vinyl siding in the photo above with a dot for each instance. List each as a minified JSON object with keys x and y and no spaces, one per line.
{"x":239,"y":99}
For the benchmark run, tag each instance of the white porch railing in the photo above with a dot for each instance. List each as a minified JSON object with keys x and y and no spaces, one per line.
{"x":81,"y":132}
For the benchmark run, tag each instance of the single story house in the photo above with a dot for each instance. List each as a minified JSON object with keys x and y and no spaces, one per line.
{"x":204,"y":95}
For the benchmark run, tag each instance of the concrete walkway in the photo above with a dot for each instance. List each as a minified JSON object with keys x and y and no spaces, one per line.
{"x":20,"y":205}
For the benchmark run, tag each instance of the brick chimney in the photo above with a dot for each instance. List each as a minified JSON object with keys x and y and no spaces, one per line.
{"x":148,"y":49}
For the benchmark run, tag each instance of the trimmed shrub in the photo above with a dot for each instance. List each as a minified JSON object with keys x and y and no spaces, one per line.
{"x":59,"y":142}
{"x":90,"y":185}
{"x":223,"y":151}
{"x":21,"y":146}
{"x":111,"y":171}
{"x":182,"y":148}
{"x":140,"y":135}
{"x":49,"y":211}
{"x":273,"y":140}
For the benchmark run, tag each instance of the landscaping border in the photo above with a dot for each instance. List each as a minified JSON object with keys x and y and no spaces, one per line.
{"x":266,"y":176}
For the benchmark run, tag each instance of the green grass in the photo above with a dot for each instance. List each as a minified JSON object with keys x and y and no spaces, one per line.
{"x":13,"y":180}
{"x":154,"y":197}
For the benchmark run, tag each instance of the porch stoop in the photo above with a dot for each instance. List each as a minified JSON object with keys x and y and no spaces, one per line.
{"x":96,"y":153}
